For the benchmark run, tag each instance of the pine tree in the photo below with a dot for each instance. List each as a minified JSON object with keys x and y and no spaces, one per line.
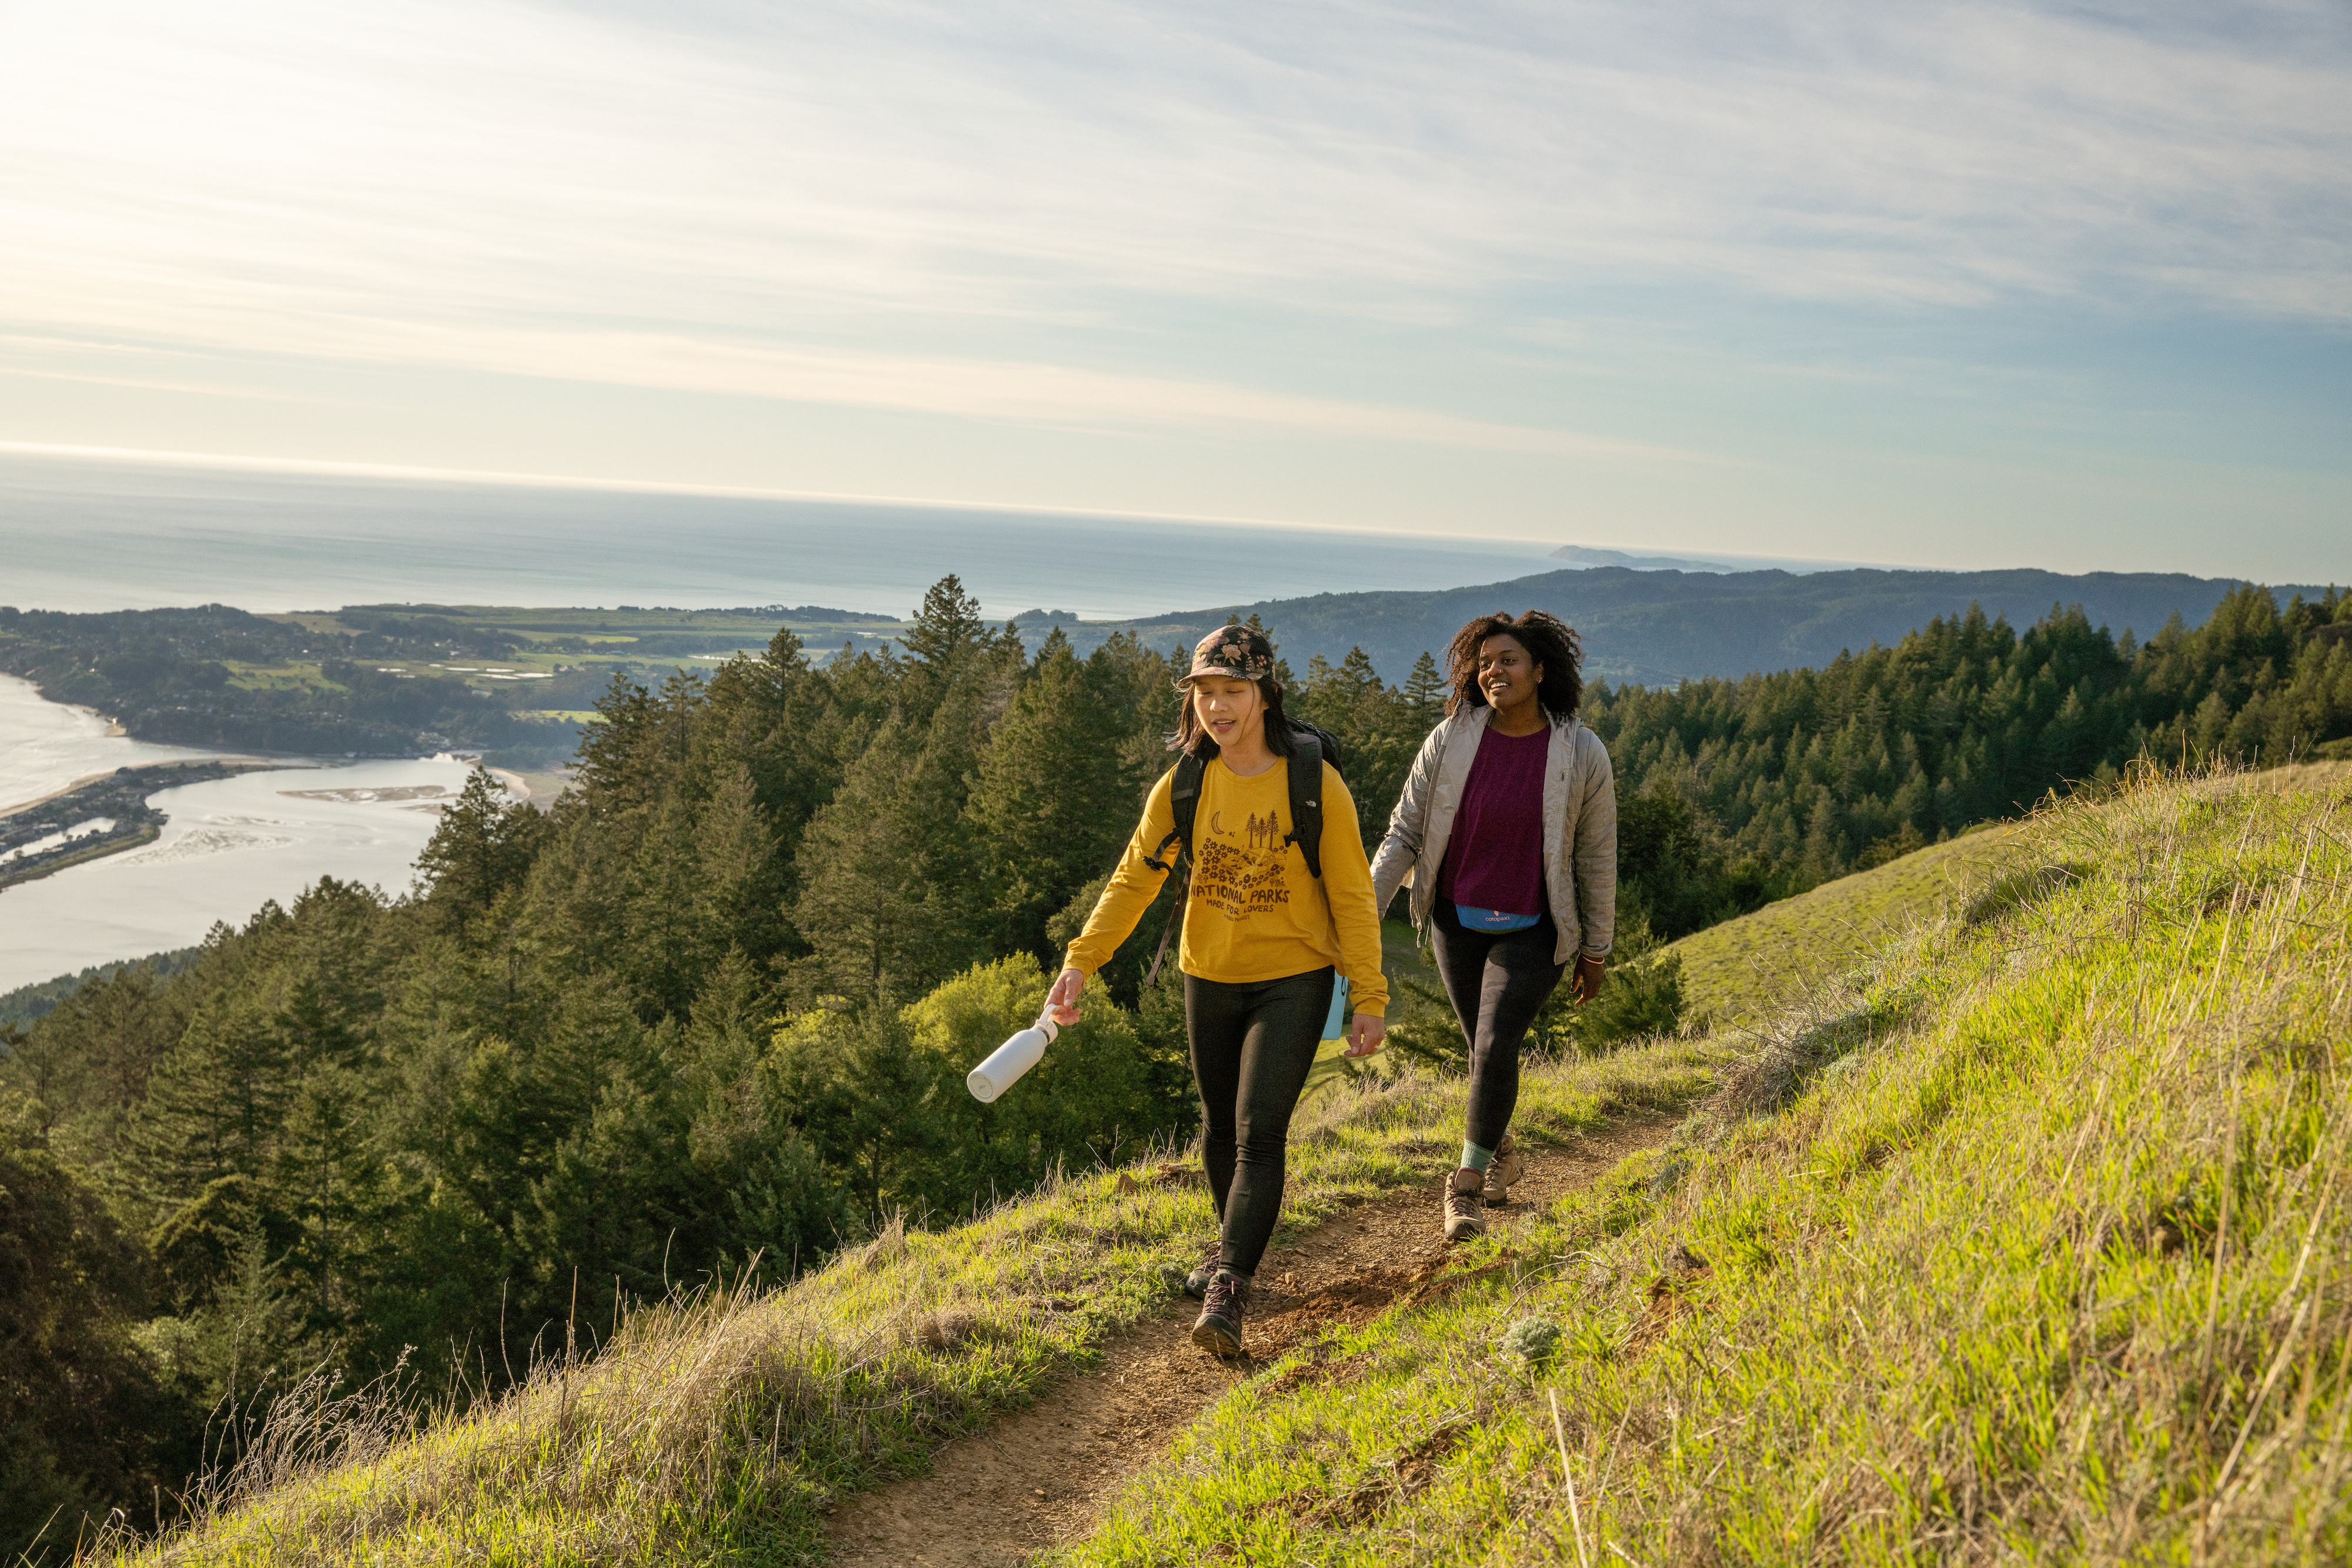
{"x":668,"y":941}
{"x":888,"y":874}
{"x":330,"y":1181}
{"x":779,"y":720}
{"x":864,"y":1098}
{"x":87,"y":1062}
{"x":753,"y":1186}
{"x":481,"y":848}
{"x":1425,"y":693}
{"x":215,"y":1102}
{"x":951,"y":647}
{"x":1048,"y":804}
{"x":84,"y":1427}
{"x":618,"y":768}
{"x":740,"y":899}
{"x":947,"y":629}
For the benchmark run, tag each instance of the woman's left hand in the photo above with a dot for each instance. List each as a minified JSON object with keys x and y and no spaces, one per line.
{"x":1365,"y":1034}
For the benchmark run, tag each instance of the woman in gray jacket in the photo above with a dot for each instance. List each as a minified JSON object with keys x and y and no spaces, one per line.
{"x":1506,"y":834}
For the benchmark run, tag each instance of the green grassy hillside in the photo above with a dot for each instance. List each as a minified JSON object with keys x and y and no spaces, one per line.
{"x":720,"y":1429}
{"x":2028,"y":1243}
{"x":1744,"y":969}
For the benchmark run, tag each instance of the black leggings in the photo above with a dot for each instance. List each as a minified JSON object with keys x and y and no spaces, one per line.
{"x":1497,"y":982}
{"x":1252,"y":1046}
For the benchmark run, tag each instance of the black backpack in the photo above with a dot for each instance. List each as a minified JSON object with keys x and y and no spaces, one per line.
{"x":1307,"y":743}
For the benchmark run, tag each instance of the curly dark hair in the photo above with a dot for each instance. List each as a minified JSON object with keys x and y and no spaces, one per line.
{"x":1548,"y":640}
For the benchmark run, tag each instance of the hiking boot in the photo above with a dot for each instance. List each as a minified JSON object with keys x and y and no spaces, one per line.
{"x":1196,"y":1283}
{"x":1465,"y":1210}
{"x":1218,"y":1329}
{"x":1505,"y":1169}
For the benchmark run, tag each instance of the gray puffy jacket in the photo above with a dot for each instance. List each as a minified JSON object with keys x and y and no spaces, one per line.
{"x":1580,"y":821}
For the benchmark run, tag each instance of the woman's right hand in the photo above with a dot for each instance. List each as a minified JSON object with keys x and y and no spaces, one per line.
{"x":1062,"y":1001}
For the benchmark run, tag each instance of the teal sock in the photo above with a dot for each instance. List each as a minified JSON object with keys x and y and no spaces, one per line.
{"x":1475,"y":1158}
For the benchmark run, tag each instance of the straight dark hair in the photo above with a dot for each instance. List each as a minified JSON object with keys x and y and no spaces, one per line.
{"x":1193,"y":735}
{"x":1549,"y":642}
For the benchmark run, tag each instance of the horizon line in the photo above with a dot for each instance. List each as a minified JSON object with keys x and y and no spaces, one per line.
{"x":337,"y":469}
{"x":500,"y":478}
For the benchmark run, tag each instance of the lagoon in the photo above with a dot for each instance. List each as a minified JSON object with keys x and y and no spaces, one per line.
{"x":47,"y":747}
{"x":231,"y":845}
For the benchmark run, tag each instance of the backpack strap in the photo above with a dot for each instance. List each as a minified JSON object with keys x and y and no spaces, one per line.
{"x":1305,"y":769}
{"x":1184,"y":801}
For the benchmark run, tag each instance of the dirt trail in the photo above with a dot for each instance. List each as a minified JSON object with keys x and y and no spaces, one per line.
{"x":1037,"y":1476}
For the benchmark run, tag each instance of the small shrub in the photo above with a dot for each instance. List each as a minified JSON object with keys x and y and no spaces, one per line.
{"x":1531,"y":1340}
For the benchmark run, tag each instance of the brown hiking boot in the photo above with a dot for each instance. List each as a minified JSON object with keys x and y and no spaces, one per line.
{"x":1196,"y":1283}
{"x":1505,"y":1169}
{"x":1218,"y":1329}
{"x":1465,"y":1211}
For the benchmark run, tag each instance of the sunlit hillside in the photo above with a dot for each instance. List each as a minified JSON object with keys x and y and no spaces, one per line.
{"x":2026,"y":1241}
{"x":1743,"y":970}
{"x":2023,"y":1238}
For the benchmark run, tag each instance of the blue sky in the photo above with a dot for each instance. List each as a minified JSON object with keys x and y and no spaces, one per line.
{"x":1965,"y":285}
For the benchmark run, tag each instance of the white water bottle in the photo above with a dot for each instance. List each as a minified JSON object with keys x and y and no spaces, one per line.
{"x":1016,"y":1056}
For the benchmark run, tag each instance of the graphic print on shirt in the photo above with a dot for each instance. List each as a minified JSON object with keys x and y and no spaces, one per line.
{"x":1238,"y":872}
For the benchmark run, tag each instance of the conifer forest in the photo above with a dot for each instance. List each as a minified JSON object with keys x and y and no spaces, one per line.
{"x":708,"y":1016}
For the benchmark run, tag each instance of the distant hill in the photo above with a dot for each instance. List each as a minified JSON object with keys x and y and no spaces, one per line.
{"x":26,"y":1003}
{"x":1661,"y":626}
{"x":1587,"y":555}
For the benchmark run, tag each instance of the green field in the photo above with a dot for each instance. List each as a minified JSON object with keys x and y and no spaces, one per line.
{"x":541,"y":643}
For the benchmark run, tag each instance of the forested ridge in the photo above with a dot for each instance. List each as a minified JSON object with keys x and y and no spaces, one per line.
{"x":713,"y":1012}
{"x":1659,"y":627}
{"x":1767,"y":786}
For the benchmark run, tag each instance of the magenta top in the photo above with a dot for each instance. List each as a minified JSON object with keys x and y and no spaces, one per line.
{"x":1495,"y":859}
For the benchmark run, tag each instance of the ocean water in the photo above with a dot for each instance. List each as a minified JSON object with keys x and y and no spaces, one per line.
{"x":83,"y":535}
{"x":231,"y":844}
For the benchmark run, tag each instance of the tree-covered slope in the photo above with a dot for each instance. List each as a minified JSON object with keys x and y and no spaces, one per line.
{"x":216,"y":676}
{"x":1734,"y":792}
{"x":381,"y":679}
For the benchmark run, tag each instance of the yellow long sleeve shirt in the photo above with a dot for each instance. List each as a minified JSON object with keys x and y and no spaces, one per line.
{"x":1253,"y":912}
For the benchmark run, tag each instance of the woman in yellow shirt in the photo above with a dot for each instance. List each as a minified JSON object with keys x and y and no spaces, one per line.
{"x":1263,"y":937}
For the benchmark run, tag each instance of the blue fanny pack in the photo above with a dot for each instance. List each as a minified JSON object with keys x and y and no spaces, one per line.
{"x":1490,"y":920}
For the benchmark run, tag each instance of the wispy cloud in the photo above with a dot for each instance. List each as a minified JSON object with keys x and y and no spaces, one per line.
{"x":1001,"y":211}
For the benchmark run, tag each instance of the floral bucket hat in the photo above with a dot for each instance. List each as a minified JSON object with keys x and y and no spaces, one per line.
{"x":1235,"y":651}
